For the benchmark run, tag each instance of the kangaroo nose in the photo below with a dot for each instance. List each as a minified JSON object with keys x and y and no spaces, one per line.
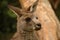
{"x":38,"y":27}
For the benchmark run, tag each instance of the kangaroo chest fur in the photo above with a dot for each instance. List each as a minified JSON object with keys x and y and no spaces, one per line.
{"x":27,"y":35}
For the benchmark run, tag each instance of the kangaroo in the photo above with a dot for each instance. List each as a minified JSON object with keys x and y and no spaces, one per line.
{"x":27,"y":24}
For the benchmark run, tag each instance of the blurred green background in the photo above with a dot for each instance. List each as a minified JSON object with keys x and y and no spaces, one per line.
{"x":8,"y":19}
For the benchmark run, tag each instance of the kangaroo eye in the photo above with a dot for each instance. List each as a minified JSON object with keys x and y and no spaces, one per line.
{"x":36,"y":17}
{"x":28,"y":19}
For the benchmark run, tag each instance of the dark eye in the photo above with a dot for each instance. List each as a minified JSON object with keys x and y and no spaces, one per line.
{"x":36,"y":17}
{"x":28,"y":19}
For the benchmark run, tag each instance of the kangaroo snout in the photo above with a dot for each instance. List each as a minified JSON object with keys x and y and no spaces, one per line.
{"x":37,"y":24}
{"x":38,"y":27}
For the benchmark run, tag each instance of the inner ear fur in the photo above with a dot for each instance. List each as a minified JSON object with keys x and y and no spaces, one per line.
{"x":16,"y":10}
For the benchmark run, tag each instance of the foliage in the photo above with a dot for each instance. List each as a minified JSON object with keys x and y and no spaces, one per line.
{"x":7,"y":19}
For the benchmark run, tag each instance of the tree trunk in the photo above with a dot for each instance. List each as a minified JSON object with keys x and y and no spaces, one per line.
{"x":48,"y":19}
{"x":55,"y":3}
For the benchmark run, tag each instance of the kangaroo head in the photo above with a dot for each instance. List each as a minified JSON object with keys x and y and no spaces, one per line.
{"x":25,"y":20}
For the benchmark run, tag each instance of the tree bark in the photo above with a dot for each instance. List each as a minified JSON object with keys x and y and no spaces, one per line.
{"x":26,"y":3}
{"x":54,"y":3}
{"x":48,"y":19}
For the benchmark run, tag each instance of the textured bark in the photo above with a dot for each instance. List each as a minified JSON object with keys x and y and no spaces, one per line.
{"x":55,"y":3}
{"x":48,"y":19}
{"x":50,"y":24}
{"x":26,"y":3}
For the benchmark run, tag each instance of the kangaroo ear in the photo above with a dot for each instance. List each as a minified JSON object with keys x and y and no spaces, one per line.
{"x":16,"y":10}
